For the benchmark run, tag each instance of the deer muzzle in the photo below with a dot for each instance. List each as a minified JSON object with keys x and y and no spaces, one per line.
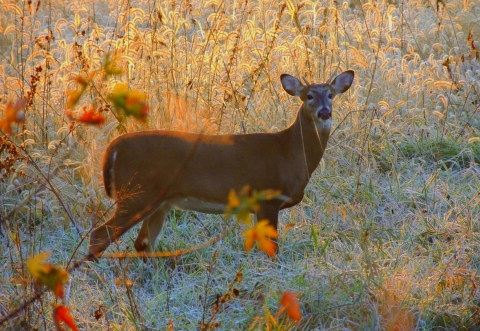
{"x":324,"y":113}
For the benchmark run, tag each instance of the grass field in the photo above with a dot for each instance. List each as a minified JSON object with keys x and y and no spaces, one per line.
{"x":388,"y":234}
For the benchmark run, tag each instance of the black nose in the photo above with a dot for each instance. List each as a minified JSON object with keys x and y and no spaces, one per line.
{"x":324,"y":113}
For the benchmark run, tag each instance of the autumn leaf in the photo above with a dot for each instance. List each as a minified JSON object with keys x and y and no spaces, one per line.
{"x":233,"y":200}
{"x":60,"y":314}
{"x":135,"y":105}
{"x":268,"y":195}
{"x":91,"y":117}
{"x":292,"y":306}
{"x":263,"y":232}
{"x":46,"y":274}
{"x":87,"y":117}
{"x":35,"y":264}
{"x":119,"y":92}
{"x":13,"y":114}
{"x":73,"y":97}
{"x":242,"y":205}
{"x":247,"y":201}
{"x":130,"y":102}
{"x":82,"y":81}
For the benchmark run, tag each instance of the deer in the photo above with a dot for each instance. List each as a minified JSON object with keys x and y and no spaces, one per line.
{"x":196,"y":172}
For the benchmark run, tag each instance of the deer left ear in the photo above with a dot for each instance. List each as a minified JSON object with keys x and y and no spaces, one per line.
{"x":292,"y":85}
{"x":342,"y":82}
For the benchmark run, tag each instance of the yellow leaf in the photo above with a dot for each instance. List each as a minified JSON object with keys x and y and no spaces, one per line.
{"x":247,"y":201}
{"x":35,"y":264}
{"x":120,"y":90}
{"x":136,"y":95}
{"x":233,"y":200}
{"x":46,"y":274}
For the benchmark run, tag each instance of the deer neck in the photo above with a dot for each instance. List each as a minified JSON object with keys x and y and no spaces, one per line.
{"x":309,"y":138}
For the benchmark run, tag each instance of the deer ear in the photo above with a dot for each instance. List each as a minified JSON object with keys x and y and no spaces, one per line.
{"x":342,"y":82}
{"x":292,"y":85}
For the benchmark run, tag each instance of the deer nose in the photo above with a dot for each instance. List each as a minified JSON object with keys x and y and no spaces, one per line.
{"x":324,"y":113}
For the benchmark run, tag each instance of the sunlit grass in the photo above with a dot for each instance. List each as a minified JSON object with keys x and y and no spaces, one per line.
{"x":387,"y":236}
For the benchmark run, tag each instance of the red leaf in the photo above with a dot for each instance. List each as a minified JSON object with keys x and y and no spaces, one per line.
{"x":58,"y":291}
{"x":91,"y":117}
{"x":60,"y":314}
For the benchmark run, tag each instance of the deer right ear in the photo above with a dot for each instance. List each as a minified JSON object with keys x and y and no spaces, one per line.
{"x":342,"y":82}
{"x":292,"y":85}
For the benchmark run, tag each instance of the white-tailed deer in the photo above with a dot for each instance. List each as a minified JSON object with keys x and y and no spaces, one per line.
{"x":195,"y":172}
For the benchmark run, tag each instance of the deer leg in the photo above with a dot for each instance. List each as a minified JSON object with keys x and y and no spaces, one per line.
{"x":269,"y":211}
{"x":151,"y":228}
{"x":103,"y":235}
{"x":127,"y":214}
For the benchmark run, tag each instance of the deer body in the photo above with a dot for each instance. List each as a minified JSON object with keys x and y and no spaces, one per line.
{"x":210,"y":166}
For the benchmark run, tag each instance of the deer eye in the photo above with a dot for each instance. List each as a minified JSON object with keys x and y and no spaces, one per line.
{"x":330,"y":96}
{"x":309,"y":97}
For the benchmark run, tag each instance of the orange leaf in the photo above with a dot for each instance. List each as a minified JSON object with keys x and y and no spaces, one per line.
{"x":13,"y":114}
{"x":263,"y":232}
{"x":73,"y":97}
{"x":81,"y":81}
{"x":5,"y":126}
{"x":60,"y":314}
{"x":251,"y":236}
{"x":292,"y":306}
